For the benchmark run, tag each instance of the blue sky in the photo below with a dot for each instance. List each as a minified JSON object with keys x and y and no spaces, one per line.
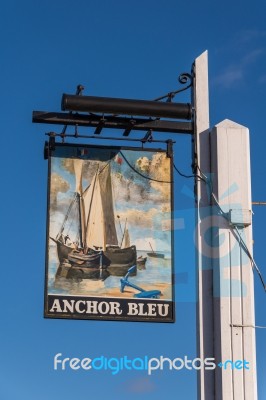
{"x":117,"y":49}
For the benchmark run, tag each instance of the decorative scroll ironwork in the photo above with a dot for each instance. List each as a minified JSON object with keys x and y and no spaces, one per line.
{"x":183,"y":78}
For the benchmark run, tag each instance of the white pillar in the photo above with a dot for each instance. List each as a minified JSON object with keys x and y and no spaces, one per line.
{"x":232,"y":269}
{"x":203,"y":211}
{"x":225,"y":294}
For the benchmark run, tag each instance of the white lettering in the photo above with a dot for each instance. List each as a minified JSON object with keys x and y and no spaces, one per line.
{"x":178,"y":366}
{"x":91,"y":307}
{"x":56,"y":361}
{"x":194,"y":363}
{"x":141,"y":312}
{"x":85,"y":363}
{"x":132,"y":309}
{"x":77,"y":306}
{"x":74,"y":363}
{"x":153,"y":367}
{"x":68,"y":306}
{"x":115,"y":308}
{"x":162,"y":360}
{"x":103,"y":307}
{"x":160,"y":309}
{"x":152,"y":309}
{"x":209,"y":363}
{"x":56,"y":306}
{"x":149,"y":310}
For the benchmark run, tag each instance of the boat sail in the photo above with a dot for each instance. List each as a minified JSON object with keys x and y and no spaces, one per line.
{"x":126,"y":240}
{"x":97,"y":254}
{"x":99,"y":211}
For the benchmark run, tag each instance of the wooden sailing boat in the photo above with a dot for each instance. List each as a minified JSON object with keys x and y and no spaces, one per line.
{"x":155,"y":254}
{"x":97,"y":254}
{"x":141,"y":262}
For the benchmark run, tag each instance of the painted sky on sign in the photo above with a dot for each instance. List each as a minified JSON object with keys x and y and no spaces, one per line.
{"x":116,"y":49}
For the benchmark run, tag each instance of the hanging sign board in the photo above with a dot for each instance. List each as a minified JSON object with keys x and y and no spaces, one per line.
{"x":109,"y":234}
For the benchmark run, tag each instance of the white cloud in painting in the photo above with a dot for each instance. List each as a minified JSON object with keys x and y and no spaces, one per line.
{"x":139,"y":218}
{"x":129,"y":187}
{"x":58,"y":185}
{"x":158,"y":168}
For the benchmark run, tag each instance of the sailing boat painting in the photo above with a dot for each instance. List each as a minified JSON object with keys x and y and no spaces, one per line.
{"x":106,"y":208}
{"x":95,"y":254}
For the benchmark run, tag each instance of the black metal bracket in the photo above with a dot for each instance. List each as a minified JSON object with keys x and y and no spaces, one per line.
{"x":148,"y":137}
{"x":125,"y":114}
{"x":124,"y":123}
{"x":49,"y":147}
{"x":169,"y":150}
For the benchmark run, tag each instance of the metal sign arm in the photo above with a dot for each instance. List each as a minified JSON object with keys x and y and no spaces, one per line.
{"x":138,"y":124}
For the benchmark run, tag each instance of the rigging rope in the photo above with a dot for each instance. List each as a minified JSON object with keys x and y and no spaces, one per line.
{"x":67,"y":215}
{"x":74,"y":218}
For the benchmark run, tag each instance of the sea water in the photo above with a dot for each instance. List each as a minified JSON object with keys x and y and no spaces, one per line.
{"x":157,"y":271}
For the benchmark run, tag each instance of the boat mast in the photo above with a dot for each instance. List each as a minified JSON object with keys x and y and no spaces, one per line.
{"x":80,"y":218}
{"x":151,"y":247}
{"x":89,"y":212}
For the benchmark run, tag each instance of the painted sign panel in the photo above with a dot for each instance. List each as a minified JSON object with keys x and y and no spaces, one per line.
{"x":109,"y":234}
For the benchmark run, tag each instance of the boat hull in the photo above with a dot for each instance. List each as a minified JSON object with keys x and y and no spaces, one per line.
{"x":91,"y":260}
{"x":62,"y":251}
{"x":141,"y":263}
{"x":116,"y":260}
{"x":121,"y":260}
{"x":155,"y":255}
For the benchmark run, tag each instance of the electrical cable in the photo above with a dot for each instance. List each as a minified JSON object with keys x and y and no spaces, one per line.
{"x":181,"y":174}
{"x":251,"y":258}
{"x":241,"y":241}
{"x":247,"y":326}
{"x":243,"y":244}
{"x":139,"y":173}
{"x":156,"y":180}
